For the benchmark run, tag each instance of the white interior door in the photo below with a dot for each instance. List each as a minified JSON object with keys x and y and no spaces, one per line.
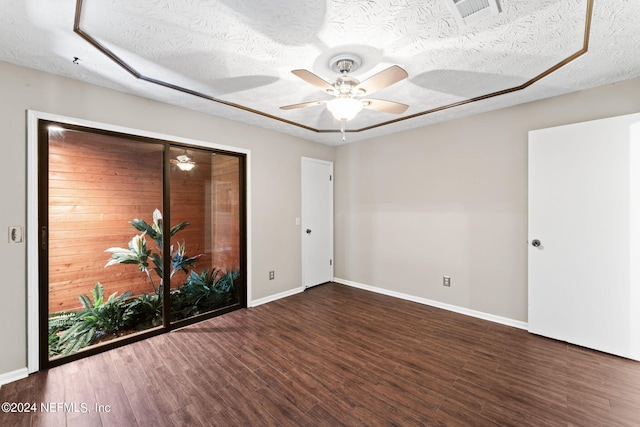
{"x":317,"y":222}
{"x":584,"y":198}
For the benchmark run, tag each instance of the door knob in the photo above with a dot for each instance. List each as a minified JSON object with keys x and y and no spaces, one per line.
{"x":308,"y":231}
{"x":535,"y":243}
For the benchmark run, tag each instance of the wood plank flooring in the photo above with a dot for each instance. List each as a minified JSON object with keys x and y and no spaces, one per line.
{"x":335,"y":356}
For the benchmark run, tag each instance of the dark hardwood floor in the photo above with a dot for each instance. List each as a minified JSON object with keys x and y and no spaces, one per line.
{"x":334,"y":356}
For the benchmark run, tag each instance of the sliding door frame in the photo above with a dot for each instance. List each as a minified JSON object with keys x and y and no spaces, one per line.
{"x":34,"y":262}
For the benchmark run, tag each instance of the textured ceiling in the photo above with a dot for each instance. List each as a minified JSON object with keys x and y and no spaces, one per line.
{"x":232,"y":58}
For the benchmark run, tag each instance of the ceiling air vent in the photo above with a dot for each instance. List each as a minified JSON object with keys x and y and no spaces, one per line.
{"x":468,"y":11}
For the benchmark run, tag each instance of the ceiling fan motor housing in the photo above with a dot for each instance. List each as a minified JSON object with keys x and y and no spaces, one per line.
{"x":345,"y":63}
{"x":345,"y":85}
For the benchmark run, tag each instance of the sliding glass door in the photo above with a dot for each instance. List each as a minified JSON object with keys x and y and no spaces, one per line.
{"x":108,"y":273}
{"x":205,"y":206}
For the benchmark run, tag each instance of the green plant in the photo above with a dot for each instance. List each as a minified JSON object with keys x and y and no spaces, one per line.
{"x":139,"y":254}
{"x":202,"y":292}
{"x":146,"y":310}
{"x":96,"y":319}
{"x":58,"y":323}
{"x":72,"y":330}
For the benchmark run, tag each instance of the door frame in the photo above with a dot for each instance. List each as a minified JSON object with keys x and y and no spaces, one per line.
{"x":32,"y":240}
{"x":304,"y":160}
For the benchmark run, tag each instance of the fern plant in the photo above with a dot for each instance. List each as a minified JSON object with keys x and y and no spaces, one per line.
{"x":96,"y":319}
{"x":58,"y":323}
{"x":147,"y":310}
{"x":203,"y":292}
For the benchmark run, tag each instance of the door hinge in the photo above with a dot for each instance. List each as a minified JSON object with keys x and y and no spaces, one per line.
{"x":330,"y":262}
{"x":330,"y":177}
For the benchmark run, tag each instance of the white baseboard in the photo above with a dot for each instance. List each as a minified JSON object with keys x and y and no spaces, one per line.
{"x":260,"y":301}
{"x":461,"y":310}
{"x":10,"y":377}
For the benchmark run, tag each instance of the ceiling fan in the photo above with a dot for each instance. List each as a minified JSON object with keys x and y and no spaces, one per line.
{"x":348,"y":90}
{"x":183,"y":162}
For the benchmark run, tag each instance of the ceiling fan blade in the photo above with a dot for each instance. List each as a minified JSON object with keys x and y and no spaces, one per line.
{"x":313,"y":79}
{"x":383,"y":79}
{"x":302,"y":105}
{"x":384,"y":106}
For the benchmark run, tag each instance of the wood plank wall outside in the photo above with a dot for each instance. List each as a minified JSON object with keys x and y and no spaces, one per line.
{"x":213,"y":230}
{"x":98,"y":183}
{"x":226,"y":237}
{"x":191,"y":200}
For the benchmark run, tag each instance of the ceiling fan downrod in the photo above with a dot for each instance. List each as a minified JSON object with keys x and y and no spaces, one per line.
{"x":345,"y":66}
{"x":345,"y":63}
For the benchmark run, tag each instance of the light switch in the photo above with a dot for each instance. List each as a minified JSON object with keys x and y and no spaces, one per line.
{"x":297,"y":221}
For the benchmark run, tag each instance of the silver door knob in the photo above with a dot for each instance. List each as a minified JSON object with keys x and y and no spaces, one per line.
{"x":535,"y":243}
{"x":308,"y":231}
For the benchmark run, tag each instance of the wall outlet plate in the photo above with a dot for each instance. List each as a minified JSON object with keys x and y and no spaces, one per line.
{"x":16,"y":234}
{"x":446,"y":281}
{"x":272,"y":275}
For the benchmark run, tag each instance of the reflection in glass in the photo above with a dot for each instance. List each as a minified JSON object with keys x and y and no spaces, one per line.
{"x":207,"y":199}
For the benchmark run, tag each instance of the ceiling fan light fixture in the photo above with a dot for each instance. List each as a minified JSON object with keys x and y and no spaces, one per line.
{"x":345,"y":108}
{"x":184,"y":163}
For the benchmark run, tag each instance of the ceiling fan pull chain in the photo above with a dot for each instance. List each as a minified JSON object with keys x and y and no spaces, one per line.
{"x":342,"y":129}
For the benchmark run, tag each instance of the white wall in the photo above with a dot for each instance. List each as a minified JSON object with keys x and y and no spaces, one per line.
{"x":275,"y":181}
{"x":451,"y":199}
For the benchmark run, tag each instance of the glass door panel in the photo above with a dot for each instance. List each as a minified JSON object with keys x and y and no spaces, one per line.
{"x":206,"y":246}
{"x":100,"y":280}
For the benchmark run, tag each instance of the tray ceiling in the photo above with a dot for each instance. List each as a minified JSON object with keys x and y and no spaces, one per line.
{"x":233,"y":58}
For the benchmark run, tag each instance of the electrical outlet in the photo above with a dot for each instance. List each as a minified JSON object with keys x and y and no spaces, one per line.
{"x":446,"y":281}
{"x":272,"y":275}
{"x":16,"y":234}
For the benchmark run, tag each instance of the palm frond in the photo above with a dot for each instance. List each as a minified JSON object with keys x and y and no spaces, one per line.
{"x":177,"y":228}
